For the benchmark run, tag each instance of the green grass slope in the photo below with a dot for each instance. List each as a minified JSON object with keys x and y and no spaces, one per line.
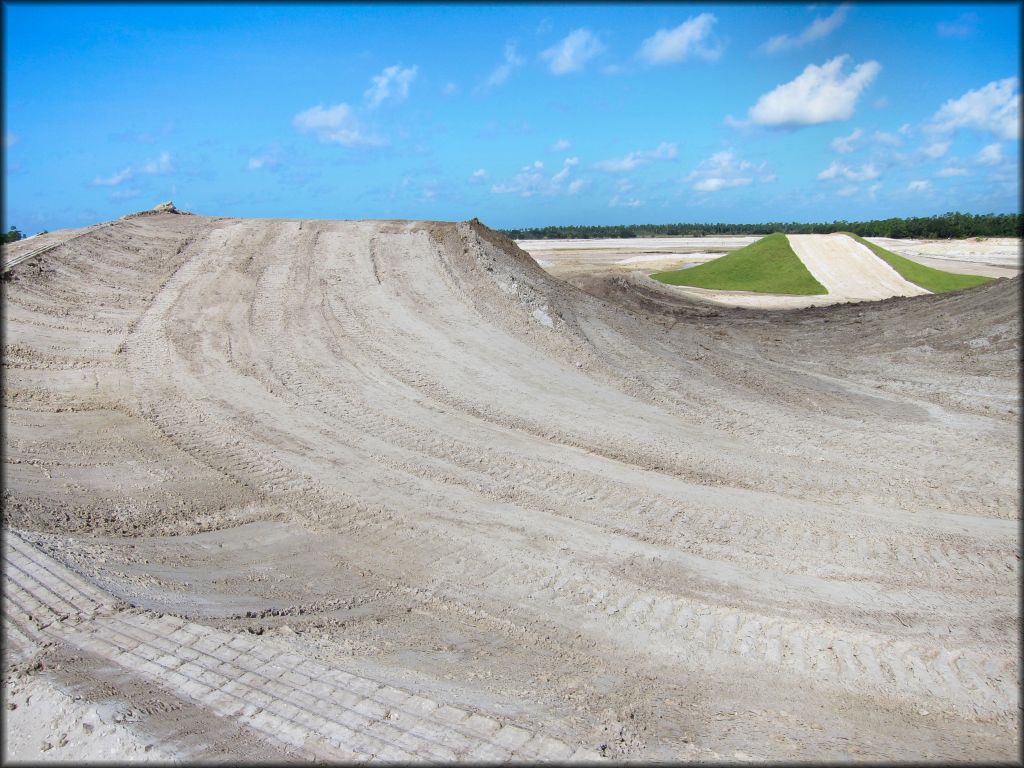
{"x":934,"y":280}
{"x":767,"y":266}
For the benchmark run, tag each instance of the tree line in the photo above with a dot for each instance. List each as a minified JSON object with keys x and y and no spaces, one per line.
{"x":949,"y":225}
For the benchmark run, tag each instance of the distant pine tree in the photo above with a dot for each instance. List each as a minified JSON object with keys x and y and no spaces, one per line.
{"x":948,"y":225}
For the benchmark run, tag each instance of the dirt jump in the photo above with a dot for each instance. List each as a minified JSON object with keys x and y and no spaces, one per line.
{"x":354,"y":490}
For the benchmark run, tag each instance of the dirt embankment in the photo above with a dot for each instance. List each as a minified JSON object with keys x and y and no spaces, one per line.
{"x":606,"y":520}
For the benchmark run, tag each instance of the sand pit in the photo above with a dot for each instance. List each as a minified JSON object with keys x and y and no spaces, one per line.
{"x":388,"y":490}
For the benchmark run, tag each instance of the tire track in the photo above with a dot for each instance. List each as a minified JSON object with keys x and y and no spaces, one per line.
{"x":285,"y":697}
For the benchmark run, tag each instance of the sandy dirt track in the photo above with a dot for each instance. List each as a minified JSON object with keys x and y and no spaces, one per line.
{"x":849,"y":270}
{"x":477,"y":509}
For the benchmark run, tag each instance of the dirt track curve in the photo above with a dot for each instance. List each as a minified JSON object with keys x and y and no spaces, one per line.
{"x":400,"y":460}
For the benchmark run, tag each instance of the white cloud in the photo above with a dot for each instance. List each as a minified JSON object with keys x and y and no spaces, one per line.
{"x":664,"y":151}
{"x":715,"y":184}
{"x":962,"y":27}
{"x":991,"y":154}
{"x":161,"y":165}
{"x":873,"y":189}
{"x":881,"y":102}
{"x":478,"y":175}
{"x":845,"y":143}
{"x":950,"y":171}
{"x":561,"y":145}
{"x":531,"y":180}
{"x":838,"y":170}
{"x":332,"y":125}
{"x":113,"y":180}
{"x":573,"y":52}
{"x":918,"y":186}
{"x":888,"y":138}
{"x":724,"y":170}
{"x":392,"y":84}
{"x":615,"y":202}
{"x":568,"y":164}
{"x":819,"y":28}
{"x":575,"y":186}
{"x":268,"y":159}
{"x":449,"y":89}
{"x":818,"y":95}
{"x":994,"y":107}
{"x":936,"y":150}
{"x":848,"y":191}
{"x":503,"y":70}
{"x":688,"y":39}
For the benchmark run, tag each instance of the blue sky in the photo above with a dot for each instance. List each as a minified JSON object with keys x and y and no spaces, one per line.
{"x":520,"y":115}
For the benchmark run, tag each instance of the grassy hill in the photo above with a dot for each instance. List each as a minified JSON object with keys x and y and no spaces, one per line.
{"x":934,"y":280}
{"x":767,"y":266}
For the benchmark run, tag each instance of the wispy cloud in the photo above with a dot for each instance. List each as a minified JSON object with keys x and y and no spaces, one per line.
{"x":919,"y":185}
{"x":950,"y":171}
{"x":887,"y":138}
{"x":994,"y":108}
{"x":333,"y":125}
{"x":618,"y":202}
{"x":500,"y":73}
{"x":936,"y":150}
{"x":10,"y":139}
{"x":692,"y":38}
{"x":819,"y":28}
{"x":572,"y":53}
{"x":964,"y":26}
{"x":114,"y":179}
{"x":561,"y":145}
{"x":992,"y":154}
{"x":532,"y":180}
{"x":664,"y":151}
{"x":161,"y":165}
{"x":838,"y":170}
{"x":267,"y":159}
{"x":818,"y":95}
{"x":844,"y":144}
{"x":392,"y":84}
{"x":724,"y":170}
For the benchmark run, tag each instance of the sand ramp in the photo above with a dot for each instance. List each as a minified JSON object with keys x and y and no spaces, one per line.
{"x":849,"y":270}
{"x":399,"y":493}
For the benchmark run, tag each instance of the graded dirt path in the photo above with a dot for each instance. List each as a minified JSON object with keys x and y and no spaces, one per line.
{"x":399,"y":456}
{"x":849,"y":270}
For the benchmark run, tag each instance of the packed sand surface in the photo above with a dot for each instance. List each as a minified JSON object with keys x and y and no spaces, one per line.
{"x":989,"y":256}
{"x":347,"y":490}
{"x":849,"y":270}
{"x":570,"y":257}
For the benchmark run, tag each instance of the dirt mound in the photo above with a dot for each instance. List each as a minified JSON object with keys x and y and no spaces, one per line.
{"x":167,"y":207}
{"x":519,"y":516}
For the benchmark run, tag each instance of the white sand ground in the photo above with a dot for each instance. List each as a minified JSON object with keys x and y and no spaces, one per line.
{"x":990,"y":256}
{"x":45,"y":724}
{"x":849,"y":270}
{"x":384,"y":489}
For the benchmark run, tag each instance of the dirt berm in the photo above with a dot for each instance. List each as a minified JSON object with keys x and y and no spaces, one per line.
{"x":600,"y":518}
